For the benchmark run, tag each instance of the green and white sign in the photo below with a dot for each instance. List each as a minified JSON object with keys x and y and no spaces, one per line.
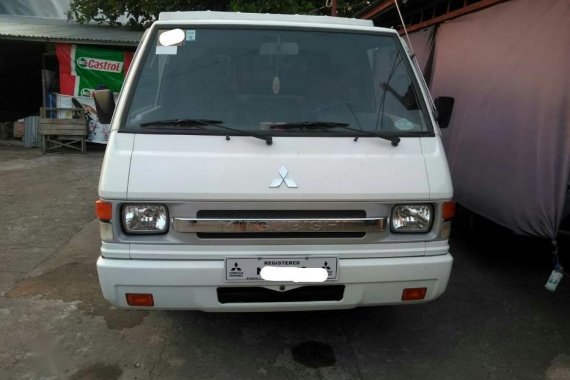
{"x":97,"y":68}
{"x":84,"y":69}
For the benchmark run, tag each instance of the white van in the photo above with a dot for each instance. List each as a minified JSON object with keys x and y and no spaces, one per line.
{"x":273,"y":163}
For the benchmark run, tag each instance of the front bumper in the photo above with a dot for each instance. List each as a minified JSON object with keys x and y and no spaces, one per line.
{"x":193,"y":284}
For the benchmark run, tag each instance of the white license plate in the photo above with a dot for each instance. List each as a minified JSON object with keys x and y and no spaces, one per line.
{"x":248,"y":269}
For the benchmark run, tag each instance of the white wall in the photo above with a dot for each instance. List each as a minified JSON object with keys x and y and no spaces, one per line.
{"x":39,"y":8}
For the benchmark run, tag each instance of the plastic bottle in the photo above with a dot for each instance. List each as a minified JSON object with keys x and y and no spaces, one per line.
{"x":554,"y":280}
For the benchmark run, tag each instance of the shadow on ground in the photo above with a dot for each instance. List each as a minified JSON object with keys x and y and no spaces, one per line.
{"x":76,"y":282}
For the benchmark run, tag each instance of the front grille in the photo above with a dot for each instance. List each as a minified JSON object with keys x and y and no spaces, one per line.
{"x":280,"y":214}
{"x":302,"y":294}
{"x":281,"y":235}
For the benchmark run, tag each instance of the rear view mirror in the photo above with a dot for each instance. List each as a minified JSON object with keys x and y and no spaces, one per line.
{"x":104,"y":104}
{"x":279,"y":48}
{"x":444,"y":107}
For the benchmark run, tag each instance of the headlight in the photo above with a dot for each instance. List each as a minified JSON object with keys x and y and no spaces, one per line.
{"x":145,"y":219}
{"x":411,"y":218}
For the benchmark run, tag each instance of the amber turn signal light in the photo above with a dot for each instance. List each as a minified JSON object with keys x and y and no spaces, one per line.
{"x":448,"y":210}
{"x":103,"y":210}
{"x":140,"y":299}
{"x":414,"y":294}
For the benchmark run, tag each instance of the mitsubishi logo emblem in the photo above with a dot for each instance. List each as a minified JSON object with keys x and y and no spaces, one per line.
{"x":277,"y":182}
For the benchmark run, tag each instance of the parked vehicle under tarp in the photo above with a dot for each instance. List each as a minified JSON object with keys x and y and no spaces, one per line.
{"x":508,"y":145}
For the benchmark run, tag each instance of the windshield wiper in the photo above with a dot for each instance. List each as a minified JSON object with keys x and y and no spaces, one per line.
{"x":380,"y":114}
{"x":202,"y":124}
{"x":180,"y":122}
{"x":326,"y":125}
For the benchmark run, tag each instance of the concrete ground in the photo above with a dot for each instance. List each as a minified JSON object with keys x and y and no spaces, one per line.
{"x":496,"y":321}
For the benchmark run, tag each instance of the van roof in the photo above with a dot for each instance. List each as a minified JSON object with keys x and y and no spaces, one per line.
{"x":262,"y":17}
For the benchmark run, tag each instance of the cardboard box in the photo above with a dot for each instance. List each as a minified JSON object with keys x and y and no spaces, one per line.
{"x":19,"y":129}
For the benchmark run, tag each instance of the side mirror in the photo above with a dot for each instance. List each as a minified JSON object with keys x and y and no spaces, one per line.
{"x":104,"y":104}
{"x":444,"y":107}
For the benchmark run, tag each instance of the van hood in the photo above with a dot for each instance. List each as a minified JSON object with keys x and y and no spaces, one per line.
{"x":190,"y":167}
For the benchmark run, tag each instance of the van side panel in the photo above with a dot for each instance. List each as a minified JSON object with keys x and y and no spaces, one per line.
{"x":116,"y":165}
{"x":437,"y":170}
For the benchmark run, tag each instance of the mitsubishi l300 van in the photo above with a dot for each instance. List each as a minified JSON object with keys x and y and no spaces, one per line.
{"x":273,"y":163}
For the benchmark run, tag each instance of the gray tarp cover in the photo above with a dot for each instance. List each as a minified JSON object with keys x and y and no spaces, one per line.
{"x":508,"y":144}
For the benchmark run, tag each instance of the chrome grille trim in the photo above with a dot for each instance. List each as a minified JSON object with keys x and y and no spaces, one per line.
{"x":206,"y":225}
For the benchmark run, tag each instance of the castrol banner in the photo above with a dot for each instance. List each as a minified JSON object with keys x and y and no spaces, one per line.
{"x":84,"y":69}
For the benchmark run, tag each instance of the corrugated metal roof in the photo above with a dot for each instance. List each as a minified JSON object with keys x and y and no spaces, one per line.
{"x":54,"y":30}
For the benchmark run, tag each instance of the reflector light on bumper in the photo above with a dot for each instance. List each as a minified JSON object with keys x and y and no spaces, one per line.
{"x":136,"y":299}
{"x":414,"y":294}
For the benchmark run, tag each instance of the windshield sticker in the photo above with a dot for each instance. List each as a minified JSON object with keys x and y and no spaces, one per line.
{"x":166,"y":50}
{"x":404,"y":124}
{"x":174,"y":37}
{"x":190,"y":35}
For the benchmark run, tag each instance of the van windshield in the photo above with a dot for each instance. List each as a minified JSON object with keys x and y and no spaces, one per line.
{"x":277,"y":82}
